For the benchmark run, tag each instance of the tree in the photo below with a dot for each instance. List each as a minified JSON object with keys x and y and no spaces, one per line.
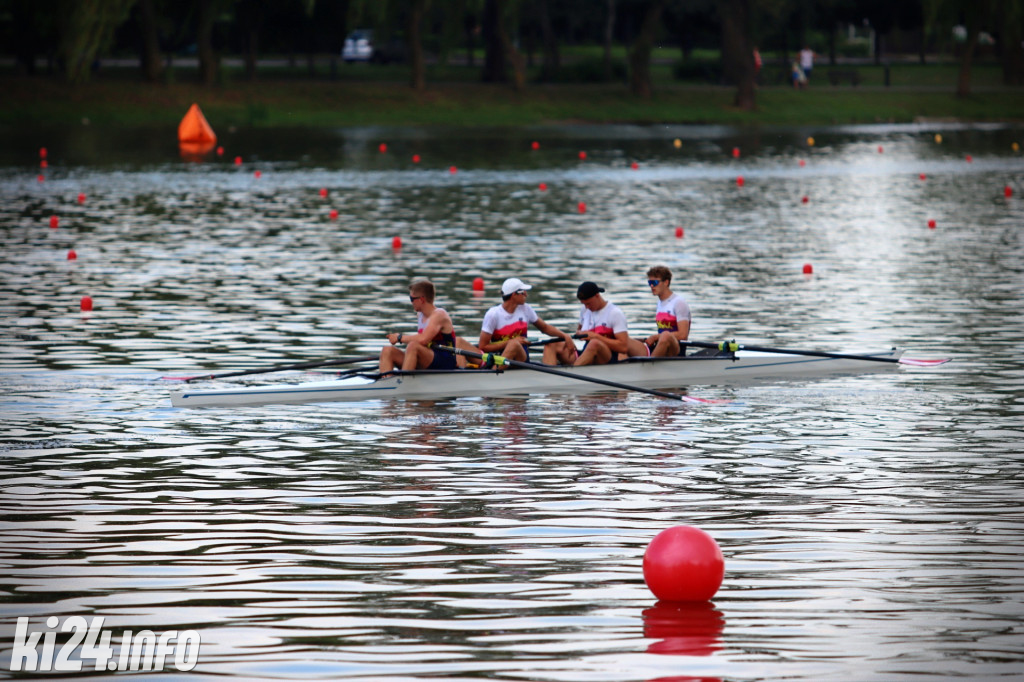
{"x":977,"y":12}
{"x":1011,"y":41}
{"x":414,"y":29}
{"x":499,"y":52}
{"x":738,"y":51}
{"x":640,"y":53}
{"x":86,"y":27}
{"x":609,"y":34}
{"x":150,"y":59}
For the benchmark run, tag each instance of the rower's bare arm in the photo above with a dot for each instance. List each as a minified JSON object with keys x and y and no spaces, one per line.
{"x":486,"y":344}
{"x":683,"y":332}
{"x":551,"y":330}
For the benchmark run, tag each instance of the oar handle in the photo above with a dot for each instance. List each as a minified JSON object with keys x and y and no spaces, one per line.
{"x":499,"y":360}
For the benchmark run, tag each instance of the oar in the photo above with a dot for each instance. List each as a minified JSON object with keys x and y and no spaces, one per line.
{"x":733,"y":346}
{"x":501,"y":360}
{"x":277,"y":368}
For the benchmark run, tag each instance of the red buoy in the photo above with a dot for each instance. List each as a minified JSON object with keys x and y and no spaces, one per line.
{"x":931,"y":224}
{"x":1007,"y":191}
{"x":257,"y":175}
{"x":543,"y":187}
{"x":323,"y":192}
{"x":679,"y":232}
{"x":72,"y":255}
{"x":808,"y":269}
{"x":42,"y":152}
{"x":334,"y":214}
{"x":735,"y":152}
{"x":220,"y":151}
{"x":804,"y":199}
{"x":478,"y":284}
{"x":581,"y":207}
{"x":415,"y":158}
{"x":969,"y":158}
{"x":54,"y":221}
{"x":238,"y":160}
{"x":85,"y":304}
{"x":740,"y":181}
{"x":43,"y":164}
{"x":923,"y":176}
{"x":396,"y":242}
{"x":683,"y":563}
{"x":81,"y":197}
{"x":453,"y":170}
{"x":802,"y":163}
{"x":535,"y":145}
{"x":40,"y":178}
{"x":583,"y":156}
{"x":880,"y":150}
{"x":634,"y":165}
{"x":383,"y":148}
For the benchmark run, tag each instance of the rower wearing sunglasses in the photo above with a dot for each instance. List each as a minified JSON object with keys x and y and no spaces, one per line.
{"x":672,"y":316}
{"x":504,"y":327}
{"x":434,"y":328}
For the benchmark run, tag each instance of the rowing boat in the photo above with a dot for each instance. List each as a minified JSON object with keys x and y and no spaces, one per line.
{"x":675,"y":372}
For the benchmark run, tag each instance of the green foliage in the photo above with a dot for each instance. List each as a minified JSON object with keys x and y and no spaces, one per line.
{"x":86,"y":28}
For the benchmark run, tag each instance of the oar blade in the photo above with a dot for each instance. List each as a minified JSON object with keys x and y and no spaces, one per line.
{"x":919,"y":362}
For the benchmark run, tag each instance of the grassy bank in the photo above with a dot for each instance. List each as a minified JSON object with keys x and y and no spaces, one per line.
{"x":354,"y":102}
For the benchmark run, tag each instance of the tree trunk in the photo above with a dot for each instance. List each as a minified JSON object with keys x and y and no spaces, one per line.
{"x":609,"y":35}
{"x":85,"y":28}
{"x":414,"y":28}
{"x":209,"y":63}
{"x":495,"y":63}
{"x":640,"y":55}
{"x":150,"y":58}
{"x":737,"y":51}
{"x":976,"y":12}
{"x":550,"y":60}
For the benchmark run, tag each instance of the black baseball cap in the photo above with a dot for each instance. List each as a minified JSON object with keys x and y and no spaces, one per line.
{"x":588,"y":290}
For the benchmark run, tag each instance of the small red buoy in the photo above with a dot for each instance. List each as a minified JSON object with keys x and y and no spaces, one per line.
{"x":535,"y":145}
{"x":396,"y":242}
{"x":735,"y":152}
{"x":238,"y":160}
{"x":220,"y":151}
{"x":415,"y":158}
{"x":257,"y":175}
{"x":634,"y":165}
{"x":679,"y":233}
{"x":683,"y":564}
{"x":880,"y":150}
{"x":1007,"y":191}
{"x":40,"y":178}
{"x":581,"y":207}
{"x":42,"y":152}
{"x":333,"y":214}
{"x":383,"y":148}
{"x":478,"y":284}
{"x":54,"y":221}
{"x":81,"y":197}
{"x":931,"y":224}
{"x":969,"y":158}
{"x":808,"y":269}
{"x":543,"y":187}
{"x":740,"y":181}
{"x":804,"y":199}
{"x":802,"y":163}
{"x":583,"y":156}
{"x":85,"y":304}
{"x":923,"y":176}
{"x":72,"y":255}
{"x":453,"y":170}
{"x":43,"y":164}
{"x":323,"y":192}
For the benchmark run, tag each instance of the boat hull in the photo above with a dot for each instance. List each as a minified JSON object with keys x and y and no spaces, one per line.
{"x":666,"y":373}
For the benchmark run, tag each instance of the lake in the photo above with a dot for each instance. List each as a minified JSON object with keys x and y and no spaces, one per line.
{"x":871,"y":525}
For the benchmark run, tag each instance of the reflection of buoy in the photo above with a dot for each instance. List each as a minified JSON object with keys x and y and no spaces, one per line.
{"x":808,"y":269}
{"x":684,"y":628}
{"x":257,"y":174}
{"x":238,"y":160}
{"x":740,"y":181}
{"x":880,"y":150}
{"x":54,"y":222}
{"x":1015,"y":147}
{"x":581,"y":207}
{"x":478,"y":284}
{"x":40,"y":178}
{"x":396,"y":242}
{"x":679,"y":233}
{"x":931,"y":224}
{"x":453,"y":170}
{"x":43,"y":164}
{"x":683,"y":564}
{"x":194,"y":128}
{"x":220,"y":151}
{"x":72,"y":255}
{"x":85,"y":304}
{"x":802,"y":163}
{"x":42,"y":152}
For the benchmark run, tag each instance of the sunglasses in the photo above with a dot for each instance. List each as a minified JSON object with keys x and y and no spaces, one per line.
{"x":521,"y":291}
{"x":413,"y":299}
{"x":653,"y":282}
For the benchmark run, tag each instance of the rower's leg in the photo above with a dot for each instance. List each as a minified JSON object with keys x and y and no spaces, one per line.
{"x":559,"y":353}
{"x":514,"y":351}
{"x":668,"y":345}
{"x":390,"y":357}
{"x":463,"y":344}
{"x":637,"y":348}
{"x":595,"y":353}
{"x":417,"y":356}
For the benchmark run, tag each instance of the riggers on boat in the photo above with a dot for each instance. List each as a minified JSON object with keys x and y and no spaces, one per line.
{"x":725,"y":367}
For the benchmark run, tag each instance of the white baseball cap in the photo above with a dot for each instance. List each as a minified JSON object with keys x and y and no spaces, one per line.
{"x":512,"y":285}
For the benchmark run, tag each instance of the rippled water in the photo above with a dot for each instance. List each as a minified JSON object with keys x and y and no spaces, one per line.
{"x":871,"y":525}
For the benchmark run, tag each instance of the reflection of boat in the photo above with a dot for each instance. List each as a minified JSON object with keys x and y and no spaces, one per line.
{"x":721,"y":368}
{"x":684,"y":628}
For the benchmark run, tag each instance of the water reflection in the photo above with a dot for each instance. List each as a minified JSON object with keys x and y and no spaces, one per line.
{"x":684,"y":628}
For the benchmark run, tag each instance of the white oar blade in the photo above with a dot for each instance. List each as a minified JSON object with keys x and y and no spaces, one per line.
{"x":917,"y":362}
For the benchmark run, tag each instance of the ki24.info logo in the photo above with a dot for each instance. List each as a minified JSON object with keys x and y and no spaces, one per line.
{"x":36,"y":649}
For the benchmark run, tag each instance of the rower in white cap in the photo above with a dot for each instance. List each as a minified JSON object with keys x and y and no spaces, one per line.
{"x":505,"y":325}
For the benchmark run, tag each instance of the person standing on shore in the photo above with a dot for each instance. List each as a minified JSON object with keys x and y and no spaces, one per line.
{"x":807,"y":62}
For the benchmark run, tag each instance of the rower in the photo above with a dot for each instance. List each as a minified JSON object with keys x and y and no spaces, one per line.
{"x":601,"y":324}
{"x":504,"y":327}
{"x":434,"y":328}
{"x":672,"y":315}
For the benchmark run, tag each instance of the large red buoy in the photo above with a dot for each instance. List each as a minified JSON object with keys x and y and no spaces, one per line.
{"x":478,"y":284}
{"x":683,"y":563}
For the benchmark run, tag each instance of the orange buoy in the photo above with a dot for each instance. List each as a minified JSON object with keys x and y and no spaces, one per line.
{"x":194,"y":128}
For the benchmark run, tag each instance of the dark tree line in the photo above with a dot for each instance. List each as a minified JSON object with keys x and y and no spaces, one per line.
{"x":512,"y":34}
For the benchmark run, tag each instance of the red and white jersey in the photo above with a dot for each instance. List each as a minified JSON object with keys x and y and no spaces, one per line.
{"x":671,"y":312}
{"x":608,"y":321}
{"x":503,"y":325}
